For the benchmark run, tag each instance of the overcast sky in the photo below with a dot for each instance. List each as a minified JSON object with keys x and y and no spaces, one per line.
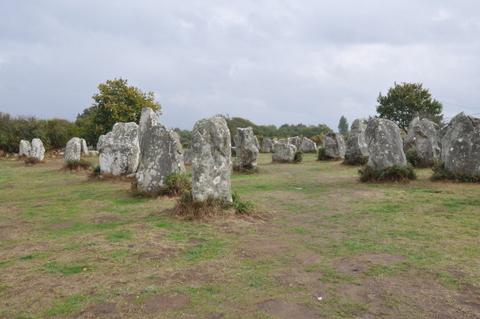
{"x":273,"y":62}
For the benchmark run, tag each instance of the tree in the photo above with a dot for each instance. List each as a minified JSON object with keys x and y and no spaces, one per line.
{"x":115,"y":102}
{"x":343,"y":125}
{"x":405,"y":101}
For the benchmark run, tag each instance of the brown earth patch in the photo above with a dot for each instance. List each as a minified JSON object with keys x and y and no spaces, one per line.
{"x":161,"y":303}
{"x":99,"y":310}
{"x":297,"y":278}
{"x":361,"y":263}
{"x":105,"y":219}
{"x":285,"y":310}
{"x":64,"y":225}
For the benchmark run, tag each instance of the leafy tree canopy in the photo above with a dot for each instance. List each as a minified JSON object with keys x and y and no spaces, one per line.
{"x":343,"y":125}
{"x":405,"y":101}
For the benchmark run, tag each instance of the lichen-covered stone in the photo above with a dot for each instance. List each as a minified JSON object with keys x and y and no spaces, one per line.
{"x":188,"y":156}
{"x":423,"y":139}
{"x":307,"y":145}
{"x":119,"y":150}
{"x":84,"y":147}
{"x":461,"y":146}
{"x":334,"y":146}
{"x":24,"y":148}
{"x":161,"y":153}
{"x":267,"y":145}
{"x":38,"y":150}
{"x":246,"y":149}
{"x":284,"y":152}
{"x":356,"y":146}
{"x":73,"y":150}
{"x":385,"y":146}
{"x":211,"y":162}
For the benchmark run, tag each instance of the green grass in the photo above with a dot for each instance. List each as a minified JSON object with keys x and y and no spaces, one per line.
{"x":68,"y":242}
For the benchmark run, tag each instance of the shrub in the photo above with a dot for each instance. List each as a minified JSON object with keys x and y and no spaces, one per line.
{"x":77,"y":165}
{"x":32,"y":161}
{"x":392,"y":174}
{"x":321,"y":154}
{"x":177,"y":184}
{"x":242,"y":207}
{"x":441,"y":173}
{"x":298,"y":158}
{"x":357,"y":160}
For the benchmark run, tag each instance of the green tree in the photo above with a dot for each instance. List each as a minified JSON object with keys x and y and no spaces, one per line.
{"x":115,"y":102}
{"x":405,"y":101}
{"x":343,"y":125}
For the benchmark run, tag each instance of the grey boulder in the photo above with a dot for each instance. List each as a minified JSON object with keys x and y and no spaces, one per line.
{"x":423,"y":139}
{"x":284,"y":152}
{"x":38,"y":150}
{"x":385,"y":146}
{"x":246,"y":149}
{"x":356,"y":146}
{"x":119,"y":150}
{"x":267,"y":145}
{"x":461,"y":146}
{"x":73,"y":150}
{"x":24,"y":148}
{"x":211,"y":161}
{"x":84,"y":147}
{"x":161,"y":154}
{"x":307,"y":145}
{"x":334,"y":146}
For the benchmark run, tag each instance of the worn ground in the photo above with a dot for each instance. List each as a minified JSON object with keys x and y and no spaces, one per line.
{"x":326,"y":247}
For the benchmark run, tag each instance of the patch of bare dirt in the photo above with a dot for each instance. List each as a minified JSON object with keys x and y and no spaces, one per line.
{"x":161,"y":303}
{"x":361,"y":263}
{"x":285,"y":310}
{"x":105,"y":219}
{"x":64,"y":225}
{"x":102,"y":310}
{"x":297,"y":278}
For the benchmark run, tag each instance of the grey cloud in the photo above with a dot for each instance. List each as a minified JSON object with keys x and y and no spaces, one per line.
{"x":271,"y":61}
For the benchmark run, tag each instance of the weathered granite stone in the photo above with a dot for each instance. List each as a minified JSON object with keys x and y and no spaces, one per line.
{"x":334,"y":146}
{"x":25,"y":148}
{"x":267,"y":145}
{"x":423,"y":139}
{"x":296,"y":140}
{"x":284,"y":152}
{"x":211,"y":163}
{"x":356,"y":145}
{"x":307,"y":145}
{"x":73,"y":150}
{"x":119,"y":150}
{"x":84,"y":147}
{"x":161,"y":153}
{"x":38,"y":150}
{"x":461,"y":146}
{"x":188,"y":156}
{"x":385,"y":146}
{"x":246,"y":148}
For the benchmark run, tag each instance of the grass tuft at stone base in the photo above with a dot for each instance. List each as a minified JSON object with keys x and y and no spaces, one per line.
{"x":392,"y":174}
{"x":77,"y":165}
{"x":440,"y":173}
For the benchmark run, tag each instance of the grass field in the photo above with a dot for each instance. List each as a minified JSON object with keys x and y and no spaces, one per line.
{"x":325,"y":246}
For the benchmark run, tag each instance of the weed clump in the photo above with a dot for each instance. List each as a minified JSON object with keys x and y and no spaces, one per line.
{"x":32,"y":161}
{"x":177,"y":183}
{"x":77,"y":165}
{"x":355,"y":160}
{"x":298,"y":158}
{"x":395,"y":173}
{"x":440,"y":173}
{"x":190,"y":209}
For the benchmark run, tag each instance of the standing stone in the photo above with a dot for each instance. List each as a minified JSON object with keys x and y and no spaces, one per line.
{"x":84,"y":147}
{"x":267,"y":145}
{"x":246,"y":148}
{"x":161,"y":153}
{"x":73,"y":150}
{"x":385,"y":146}
{"x":38,"y":150}
{"x":461,"y":146}
{"x":211,"y":163}
{"x":334,"y":146}
{"x":119,"y":150}
{"x":356,"y":146}
{"x":423,"y":139}
{"x":284,"y":152}
{"x":308,"y":146}
{"x":25,"y":148}
{"x":188,"y":156}
{"x":296,"y":140}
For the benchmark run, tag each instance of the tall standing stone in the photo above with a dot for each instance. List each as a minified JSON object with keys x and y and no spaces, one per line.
{"x":334,"y":146}
{"x":356,"y":145}
{"x":119,"y":150}
{"x":296,"y":140}
{"x":461,"y":146}
{"x":73,"y":150}
{"x":211,"y":163}
{"x":84,"y":147}
{"x":284,"y":152}
{"x":38,"y":150}
{"x":24,"y":148}
{"x":161,"y":153}
{"x":385,"y":146}
{"x":246,"y":147}
{"x":267,"y":145}
{"x":423,"y":139}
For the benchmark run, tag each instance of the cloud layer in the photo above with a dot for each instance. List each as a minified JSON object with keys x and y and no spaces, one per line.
{"x":270,"y":61}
